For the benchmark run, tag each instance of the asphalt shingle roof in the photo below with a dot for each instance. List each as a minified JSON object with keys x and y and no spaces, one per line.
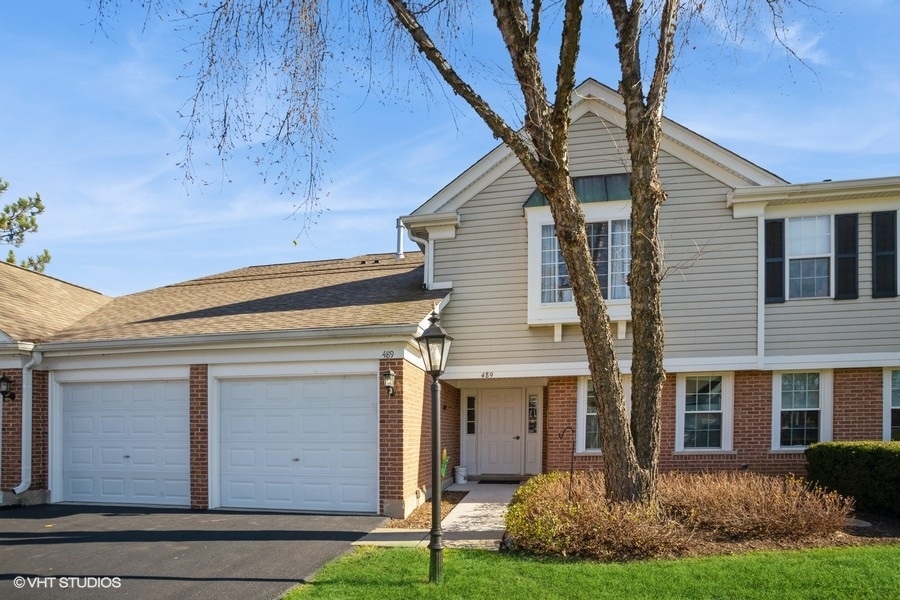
{"x":370,"y":290}
{"x":34,"y":307}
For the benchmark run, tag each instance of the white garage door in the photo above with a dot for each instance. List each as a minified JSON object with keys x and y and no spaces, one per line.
{"x":126,"y":443}
{"x":300,"y":444}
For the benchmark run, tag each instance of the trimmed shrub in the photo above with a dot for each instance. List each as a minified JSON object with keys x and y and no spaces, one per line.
{"x":868,"y":471}
{"x":746,"y":506}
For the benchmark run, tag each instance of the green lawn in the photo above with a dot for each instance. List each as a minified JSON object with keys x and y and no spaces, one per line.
{"x":868,"y":572}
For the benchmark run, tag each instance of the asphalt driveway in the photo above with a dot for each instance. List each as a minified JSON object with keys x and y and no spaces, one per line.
{"x":65,"y":551}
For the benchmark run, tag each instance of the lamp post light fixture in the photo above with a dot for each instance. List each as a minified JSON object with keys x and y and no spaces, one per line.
{"x":434,"y":344}
{"x":6,"y":388}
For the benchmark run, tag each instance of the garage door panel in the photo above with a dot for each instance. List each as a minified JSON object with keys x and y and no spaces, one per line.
{"x":301,"y":450}
{"x":126,"y":443}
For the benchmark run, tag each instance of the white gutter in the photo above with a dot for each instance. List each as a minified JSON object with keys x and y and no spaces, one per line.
{"x":27,"y":393}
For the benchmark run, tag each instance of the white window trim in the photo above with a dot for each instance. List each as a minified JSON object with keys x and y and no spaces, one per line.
{"x":886,"y":395}
{"x":727,"y":413}
{"x":788,"y":258}
{"x":581,"y":412}
{"x":540,"y":313}
{"x":826,"y":390}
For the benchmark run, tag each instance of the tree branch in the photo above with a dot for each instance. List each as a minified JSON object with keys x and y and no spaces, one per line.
{"x":426,"y":46}
{"x":568,"y":54}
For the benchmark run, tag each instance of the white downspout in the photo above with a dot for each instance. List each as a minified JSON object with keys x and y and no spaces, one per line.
{"x":27,"y":393}
{"x":427,"y":247}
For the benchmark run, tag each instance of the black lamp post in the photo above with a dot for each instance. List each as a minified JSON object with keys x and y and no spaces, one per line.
{"x":434,"y":344}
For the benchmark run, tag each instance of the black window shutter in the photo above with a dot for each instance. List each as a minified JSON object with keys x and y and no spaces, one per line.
{"x":774,"y":261}
{"x":846,"y":257}
{"x":884,"y":254}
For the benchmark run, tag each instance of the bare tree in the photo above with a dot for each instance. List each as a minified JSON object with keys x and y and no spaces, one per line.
{"x":281,"y":53}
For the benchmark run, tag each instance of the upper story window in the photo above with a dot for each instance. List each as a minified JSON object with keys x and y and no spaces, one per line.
{"x":607,"y":209}
{"x":809,"y":257}
{"x":610,"y":246}
{"x":812,"y":257}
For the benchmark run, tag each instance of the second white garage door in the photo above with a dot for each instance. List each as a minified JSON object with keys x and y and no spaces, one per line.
{"x":300,"y":444}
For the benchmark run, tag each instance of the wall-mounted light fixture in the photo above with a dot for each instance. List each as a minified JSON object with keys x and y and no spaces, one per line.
{"x":6,"y":388}
{"x":390,"y":379}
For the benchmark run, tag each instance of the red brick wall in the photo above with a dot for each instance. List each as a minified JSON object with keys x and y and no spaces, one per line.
{"x":405,"y":431}
{"x":391,"y":432}
{"x":40,"y":419}
{"x":858,"y":404}
{"x":857,"y":414}
{"x":11,"y":453}
{"x":198,"y":403}
{"x":562,"y":403}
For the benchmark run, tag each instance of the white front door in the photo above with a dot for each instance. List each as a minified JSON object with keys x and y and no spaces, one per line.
{"x":502,"y":435}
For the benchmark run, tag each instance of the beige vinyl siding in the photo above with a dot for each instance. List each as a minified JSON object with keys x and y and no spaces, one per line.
{"x":709,"y":299}
{"x":710,"y":289}
{"x":828,"y":326}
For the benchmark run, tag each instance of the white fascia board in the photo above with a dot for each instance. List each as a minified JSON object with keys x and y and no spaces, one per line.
{"x":473,"y":180}
{"x":290,"y":369}
{"x":295,"y":355}
{"x":677,"y":140}
{"x":823,"y":191}
{"x":239,"y":341}
{"x":832,"y":361}
{"x":607,"y":104}
{"x":426,"y":221}
{"x":580,"y":369}
{"x":107,"y":374}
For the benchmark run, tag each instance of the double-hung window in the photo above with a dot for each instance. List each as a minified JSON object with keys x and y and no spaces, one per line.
{"x":801,"y":409}
{"x":703,"y":420}
{"x":813,"y":256}
{"x":809,"y":257}
{"x":587,"y":435}
{"x":892,"y":405}
{"x":610,"y":246}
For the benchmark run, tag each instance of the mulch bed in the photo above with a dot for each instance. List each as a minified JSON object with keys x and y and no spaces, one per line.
{"x":421,"y":517}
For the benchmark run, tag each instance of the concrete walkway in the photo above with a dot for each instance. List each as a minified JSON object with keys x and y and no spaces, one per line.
{"x":476,"y":522}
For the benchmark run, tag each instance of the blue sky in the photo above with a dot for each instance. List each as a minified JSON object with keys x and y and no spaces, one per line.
{"x":91,"y":122}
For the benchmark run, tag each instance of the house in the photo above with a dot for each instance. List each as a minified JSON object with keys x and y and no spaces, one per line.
{"x":261,"y":388}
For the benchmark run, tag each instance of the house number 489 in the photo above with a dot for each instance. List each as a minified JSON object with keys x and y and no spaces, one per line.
{"x":487,"y":375}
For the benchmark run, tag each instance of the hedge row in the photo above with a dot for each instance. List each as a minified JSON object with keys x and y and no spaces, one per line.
{"x":867,"y":471}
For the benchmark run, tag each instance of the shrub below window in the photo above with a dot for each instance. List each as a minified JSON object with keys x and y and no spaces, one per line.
{"x":542,"y":520}
{"x":747,"y":506}
{"x":553,"y":514}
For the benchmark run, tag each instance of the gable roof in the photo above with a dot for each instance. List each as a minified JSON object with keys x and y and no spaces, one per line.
{"x":594,"y":97}
{"x":365,"y":291}
{"x":34,"y":307}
